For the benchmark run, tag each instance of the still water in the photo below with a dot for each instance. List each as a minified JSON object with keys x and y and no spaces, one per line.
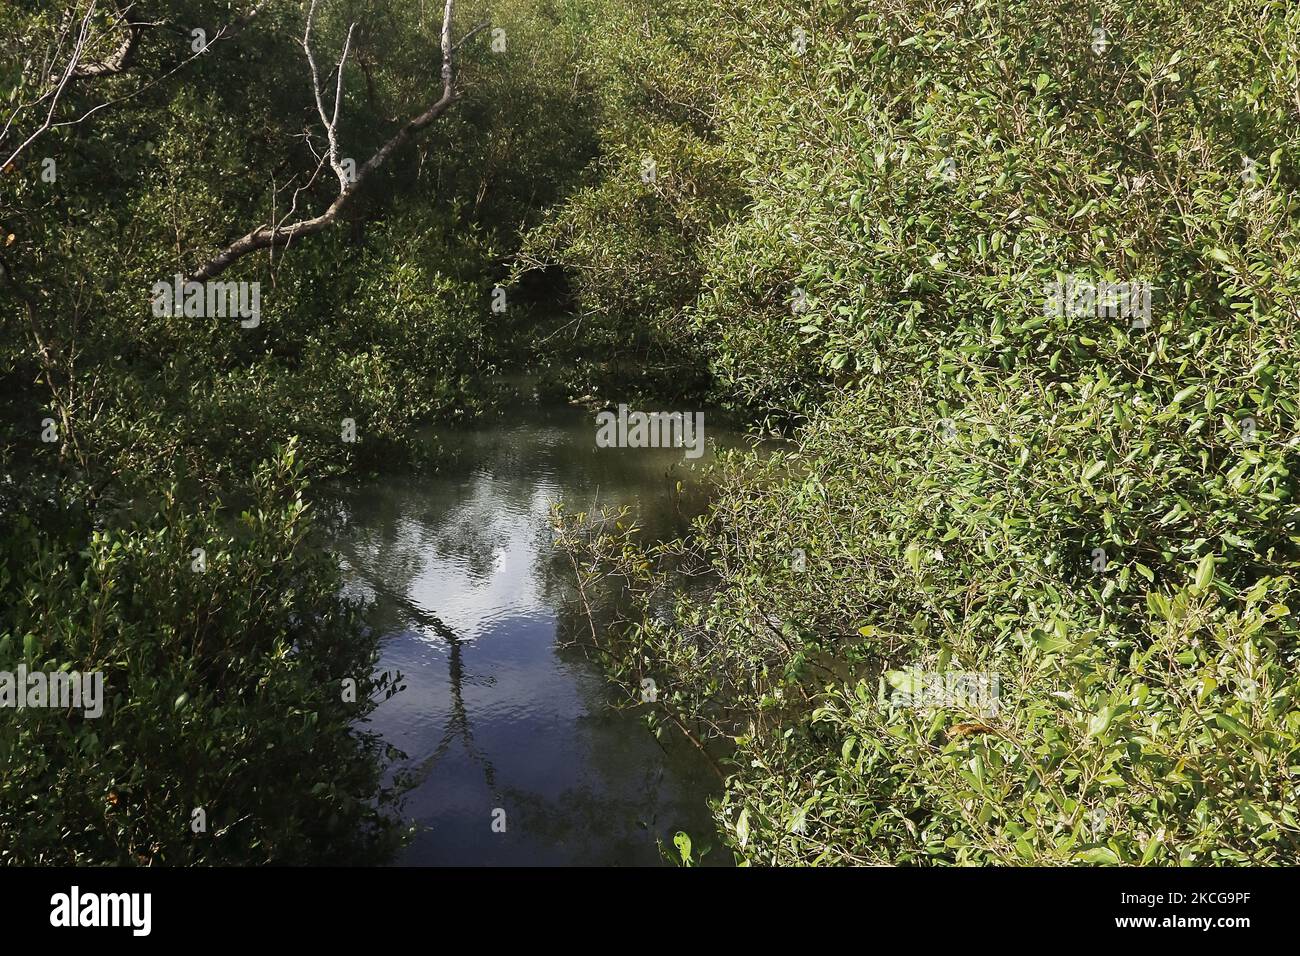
{"x":497,"y":713}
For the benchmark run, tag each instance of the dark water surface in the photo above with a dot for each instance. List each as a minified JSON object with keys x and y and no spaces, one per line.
{"x":474,"y":604}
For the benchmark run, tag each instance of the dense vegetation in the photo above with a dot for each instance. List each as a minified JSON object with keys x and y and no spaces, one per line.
{"x":860,"y":238}
{"x":132,"y":440}
{"x":840,"y":220}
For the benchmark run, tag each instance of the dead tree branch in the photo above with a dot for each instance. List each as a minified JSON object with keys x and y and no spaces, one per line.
{"x":77,"y":68}
{"x":53,"y":94}
{"x":280,"y":234}
{"x":119,"y":59}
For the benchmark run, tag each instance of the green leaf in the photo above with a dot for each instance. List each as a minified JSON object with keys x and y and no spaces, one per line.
{"x":1232,"y":725}
{"x":1049,"y":642}
{"x":1204,"y":573}
{"x":913,"y":556}
{"x":1100,"y":721}
{"x":908,"y":681}
{"x":1158,"y":605}
{"x":1100,"y":855}
{"x":683,"y":843}
{"x":1149,"y":854}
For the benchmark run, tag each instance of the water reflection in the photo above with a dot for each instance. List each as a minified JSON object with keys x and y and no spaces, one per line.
{"x":496,"y":714}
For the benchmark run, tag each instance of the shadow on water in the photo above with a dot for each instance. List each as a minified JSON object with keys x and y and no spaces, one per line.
{"x":497,"y":714}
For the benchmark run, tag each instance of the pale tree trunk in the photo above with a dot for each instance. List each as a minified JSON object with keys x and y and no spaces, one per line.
{"x":284,"y":232}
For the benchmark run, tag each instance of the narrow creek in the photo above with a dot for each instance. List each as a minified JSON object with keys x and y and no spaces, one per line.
{"x":498,"y":714}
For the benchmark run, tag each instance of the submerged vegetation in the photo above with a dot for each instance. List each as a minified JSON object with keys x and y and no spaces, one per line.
{"x":893,"y":233}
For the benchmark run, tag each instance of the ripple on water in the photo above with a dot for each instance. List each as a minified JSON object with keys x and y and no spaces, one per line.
{"x":496,"y":714}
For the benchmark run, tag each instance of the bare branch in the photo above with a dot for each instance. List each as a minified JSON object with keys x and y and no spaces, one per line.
{"x":331,"y":125}
{"x":116,"y":63}
{"x":120,"y":58}
{"x":78,"y":49}
{"x":278,"y":235}
{"x":474,"y":31}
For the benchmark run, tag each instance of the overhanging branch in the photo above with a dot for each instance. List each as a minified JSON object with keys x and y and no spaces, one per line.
{"x":278,"y":235}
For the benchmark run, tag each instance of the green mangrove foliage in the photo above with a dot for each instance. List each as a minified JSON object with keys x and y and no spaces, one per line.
{"x":905,"y":225}
{"x":1018,"y":278}
{"x":156,"y":520}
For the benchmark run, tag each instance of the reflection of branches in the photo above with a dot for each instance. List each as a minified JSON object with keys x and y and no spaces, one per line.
{"x":458,"y":724}
{"x":584,"y":578}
